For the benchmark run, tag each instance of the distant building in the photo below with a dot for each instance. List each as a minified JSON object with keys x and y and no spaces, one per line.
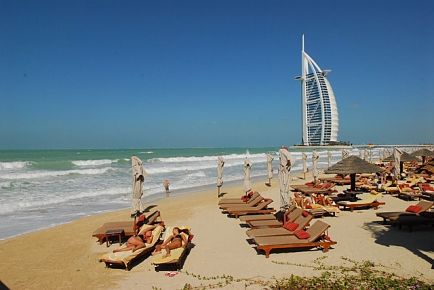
{"x":320,"y":112}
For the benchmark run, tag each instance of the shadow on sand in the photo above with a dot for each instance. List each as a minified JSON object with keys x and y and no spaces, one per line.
{"x":417,"y":242}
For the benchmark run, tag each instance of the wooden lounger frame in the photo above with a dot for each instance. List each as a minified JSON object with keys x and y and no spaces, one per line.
{"x":325,"y":245}
{"x":351,"y":207}
{"x":128,"y":265}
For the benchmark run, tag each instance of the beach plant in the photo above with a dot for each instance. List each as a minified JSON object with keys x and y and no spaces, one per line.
{"x":351,"y":274}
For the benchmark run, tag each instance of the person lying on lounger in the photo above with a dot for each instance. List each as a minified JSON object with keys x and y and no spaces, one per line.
{"x":175,"y":241}
{"x":137,"y":242}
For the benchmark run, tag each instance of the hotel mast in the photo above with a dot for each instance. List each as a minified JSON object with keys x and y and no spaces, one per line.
{"x":320,"y":112}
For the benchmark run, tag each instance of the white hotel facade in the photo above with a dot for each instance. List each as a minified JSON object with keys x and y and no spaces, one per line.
{"x":320,"y":119}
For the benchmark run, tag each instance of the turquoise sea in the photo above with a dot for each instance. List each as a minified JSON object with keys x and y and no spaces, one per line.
{"x":41,"y":188}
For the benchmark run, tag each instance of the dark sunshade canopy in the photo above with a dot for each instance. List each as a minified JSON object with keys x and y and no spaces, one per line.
{"x":405,"y":157}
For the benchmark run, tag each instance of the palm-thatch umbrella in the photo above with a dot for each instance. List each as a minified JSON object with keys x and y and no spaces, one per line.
{"x":270,"y":159}
{"x":304,"y":158}
{"x":315,"y":158}
{"x":220,"y":167}
{"x":353,"y":165}
{"x":284,"y":169}
{"x":345,"y":154}
{"x":423,"y":153}
{"x":329,"y":158}
{"x":399,"y":157}
{"x":138,"y":178}
{"x":247,"y":170}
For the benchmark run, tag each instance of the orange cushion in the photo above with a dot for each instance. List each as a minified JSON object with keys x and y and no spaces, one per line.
{"x":413,"y":208}
{"x":290,"y":226}
{"x":302,"y":234}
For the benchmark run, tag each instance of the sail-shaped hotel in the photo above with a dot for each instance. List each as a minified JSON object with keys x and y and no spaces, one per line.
{"x":320,"y":112}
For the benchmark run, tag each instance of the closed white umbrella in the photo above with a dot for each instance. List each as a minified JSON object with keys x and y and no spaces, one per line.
{"x":304,"y":158}
{"x":138,"y":178}
{"x":329,"y":158}
{"x":284,"y":169}
{"x":397,"y":162}
{"x":315,"y":158}
{"x":247,"y":170}
{"x":220,"y":167}
{"x":365,"y":155}
{"x":345,"y":154}
{"x":270,"y":159}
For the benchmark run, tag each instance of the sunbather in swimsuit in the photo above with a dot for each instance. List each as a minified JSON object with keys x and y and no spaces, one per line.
{"x":137,"y":242}
{"x":175,"y":241}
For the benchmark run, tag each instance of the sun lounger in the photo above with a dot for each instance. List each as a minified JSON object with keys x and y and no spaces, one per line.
{"x":367,"y":200}
{"x":290,"y":216}
{"x":261,"y":217}
{"x":237,"y":200}
{"x":319,"y":210}
{"x":176,"y":256}
{"x":302,"y":221}
{"x":317,"y":239}
{"x":391,"y":215}
{"x":126,"y":258}
{"x":306,"y":189}
{"x":251,"y":203}
{"x":126,"y":226}
{"x":262,"y":207}
{"x":411,"y":221}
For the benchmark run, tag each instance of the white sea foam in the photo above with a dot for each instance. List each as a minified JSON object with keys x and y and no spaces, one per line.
{"x":147,"y":152}
{"x":94,"y":162}
{"x":42,"y":174}
{"x":207,"y":158}
{"x":14,"y":165}
{"x":52,"y":200}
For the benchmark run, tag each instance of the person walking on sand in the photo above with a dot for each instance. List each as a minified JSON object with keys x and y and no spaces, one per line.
{"x":166,"y":185}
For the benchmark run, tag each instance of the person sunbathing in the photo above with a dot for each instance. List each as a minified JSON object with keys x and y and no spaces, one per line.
{"x":175,"y":241}
{"x":137,"y":242}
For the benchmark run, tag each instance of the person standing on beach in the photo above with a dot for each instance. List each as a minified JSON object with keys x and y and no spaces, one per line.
{"x":166,"y":185}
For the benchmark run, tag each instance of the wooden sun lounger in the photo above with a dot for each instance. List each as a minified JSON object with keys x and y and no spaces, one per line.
{"x":126,"y":226}
{"x":302,"y":221}
{"x":305,"y":189}
{"x":291,"y":216}
{"x":260,"y":208}
{"x":176,"y":257}
{"x":237,"y":200}
{"x":261,"y":217}
{"x":318,"y":239}
{"x":370,"y":202}
{"x":126,"y":258}
{"x":253,"y":202}
{"x":392,"y":215}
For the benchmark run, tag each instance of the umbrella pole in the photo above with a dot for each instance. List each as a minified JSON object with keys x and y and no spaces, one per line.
{"x":423,"y":159}
{"x":353,"y":181}
{"x":401,"y":168}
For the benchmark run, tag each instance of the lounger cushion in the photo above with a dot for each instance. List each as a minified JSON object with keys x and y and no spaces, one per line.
{"x":291,"y":226}
{"x":301,"y":234}
{"x":305,"y":213}
{"x":414,"y":208}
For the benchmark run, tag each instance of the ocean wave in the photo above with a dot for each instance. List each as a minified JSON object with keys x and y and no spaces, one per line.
{"x":14,"y":165}
{"x":192,"y":167}
{"x":42,"y":174}
{"x":147,"y":152}
{"x":207,"y":158}
{"x":94,"y":162}
{"x":40,"y":202}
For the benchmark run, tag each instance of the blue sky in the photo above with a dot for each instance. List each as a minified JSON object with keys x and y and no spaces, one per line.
{"x":111,"y":74}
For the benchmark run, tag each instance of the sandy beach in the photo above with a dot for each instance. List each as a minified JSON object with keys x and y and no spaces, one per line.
{"x":66,"y":256}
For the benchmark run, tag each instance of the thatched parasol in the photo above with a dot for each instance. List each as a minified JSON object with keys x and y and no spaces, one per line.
{"x":423,"y":153}
{"x":353,"y":165}
{"x":405,"y":157}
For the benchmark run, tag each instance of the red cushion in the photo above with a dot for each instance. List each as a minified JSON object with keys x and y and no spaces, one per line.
{"x":290,"y":226}
{"x":245,"y":198}
{"x":302,"y":234}
{"x":305,"y":213}
{"x":413,"y":208}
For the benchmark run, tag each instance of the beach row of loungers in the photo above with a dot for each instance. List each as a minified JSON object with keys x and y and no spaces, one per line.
{"x":268,"y":233}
